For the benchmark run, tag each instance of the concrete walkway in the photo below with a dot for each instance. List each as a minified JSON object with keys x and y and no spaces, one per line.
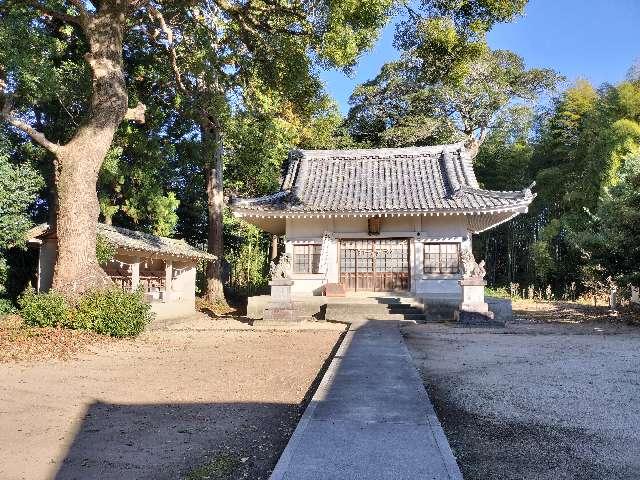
{"x":370,"y":418}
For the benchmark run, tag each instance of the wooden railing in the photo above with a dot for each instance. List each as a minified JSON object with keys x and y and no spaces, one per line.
{"x":150,"y":280}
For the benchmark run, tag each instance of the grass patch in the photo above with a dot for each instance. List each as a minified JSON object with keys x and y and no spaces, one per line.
{"x":221,"y":468}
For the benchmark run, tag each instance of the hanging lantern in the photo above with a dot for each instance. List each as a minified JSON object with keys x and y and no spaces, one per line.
{"x":374,"y":225}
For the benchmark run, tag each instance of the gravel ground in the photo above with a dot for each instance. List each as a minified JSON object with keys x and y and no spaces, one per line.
{"x":535,"y":401}
{"x":214,"y":402}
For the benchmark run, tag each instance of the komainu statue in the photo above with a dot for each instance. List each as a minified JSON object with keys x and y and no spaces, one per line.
{"x":471,"y":269}
{"x":282,"y":269}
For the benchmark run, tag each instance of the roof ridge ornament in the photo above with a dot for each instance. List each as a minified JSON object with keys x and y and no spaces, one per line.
{"x":472,"y":145}
{"x":527,"y":191}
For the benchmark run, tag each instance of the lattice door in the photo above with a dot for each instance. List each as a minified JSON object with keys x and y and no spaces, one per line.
{"x":374,"y":264}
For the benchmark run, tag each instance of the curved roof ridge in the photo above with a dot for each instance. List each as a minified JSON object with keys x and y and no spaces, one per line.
{"x":136,"y":240}
{"x":519,"y":194}
{"x":359,"y":153}
{"x":435,"y":178}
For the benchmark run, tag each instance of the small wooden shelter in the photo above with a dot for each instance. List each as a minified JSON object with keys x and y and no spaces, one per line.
{"x":164,"y":267}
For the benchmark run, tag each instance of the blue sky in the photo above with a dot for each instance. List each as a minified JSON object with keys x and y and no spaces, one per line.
{"x":593,"y":39}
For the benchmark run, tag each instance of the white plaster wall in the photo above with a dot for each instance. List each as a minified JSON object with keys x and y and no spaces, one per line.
{"x":183,"y":284}
{"x":417,"y":229}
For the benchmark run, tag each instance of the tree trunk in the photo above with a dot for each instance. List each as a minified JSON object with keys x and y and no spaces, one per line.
{"x":79,"y":161}
{"x":212,"y":157}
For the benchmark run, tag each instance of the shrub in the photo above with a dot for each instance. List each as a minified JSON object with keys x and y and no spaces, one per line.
{"x":45,"y":309}
{"x":6,"y":306}
{"x":112,"y":312}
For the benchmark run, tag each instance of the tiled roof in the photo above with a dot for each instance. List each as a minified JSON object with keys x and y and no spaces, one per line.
{"x":139,"y":241}
{"x":385,"y":180}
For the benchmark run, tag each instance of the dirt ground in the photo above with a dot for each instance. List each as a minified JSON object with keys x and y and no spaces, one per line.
{"x":206,"y":399}
{"x":538,"y":400}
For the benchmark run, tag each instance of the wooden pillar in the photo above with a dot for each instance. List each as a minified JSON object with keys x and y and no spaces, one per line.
{"x":168,"y":275}
{"x":274,"y":247}
{"x":135,"y":274}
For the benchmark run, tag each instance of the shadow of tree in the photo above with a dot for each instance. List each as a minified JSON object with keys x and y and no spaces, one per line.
{"x":175,"y":441}
{"x":191,"y":441}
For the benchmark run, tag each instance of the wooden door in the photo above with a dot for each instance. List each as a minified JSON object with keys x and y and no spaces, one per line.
{"x":376,"y":265}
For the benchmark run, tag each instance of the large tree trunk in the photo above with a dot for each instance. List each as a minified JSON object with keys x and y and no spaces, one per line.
{"x":212,"y":156}
{"x":79,"y":161}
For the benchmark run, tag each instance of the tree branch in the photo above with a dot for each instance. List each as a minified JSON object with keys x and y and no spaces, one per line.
{"x":37,"y":136}
{"x":84,"y":13}
{"x":154,"y":13}
{"x":136,"y":113}
{"x":55,"y":13}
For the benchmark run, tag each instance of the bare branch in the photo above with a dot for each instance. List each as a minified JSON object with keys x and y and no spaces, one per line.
{"x":37,"y":136}
{"x":136,"y":113}
{"x":154,"y":13}
{"x":55,"y":13}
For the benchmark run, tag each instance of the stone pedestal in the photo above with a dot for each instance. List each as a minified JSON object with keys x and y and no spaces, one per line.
{"x":474,"y":310}
{"x":280,"y":309}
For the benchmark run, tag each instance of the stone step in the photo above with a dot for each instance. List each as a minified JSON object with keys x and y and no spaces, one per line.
{"x":398,"y":316}
{"x":392,"y":301}
{"x":405,"y":309}
{"x":372,"y":308}
{"x":351,"y":316}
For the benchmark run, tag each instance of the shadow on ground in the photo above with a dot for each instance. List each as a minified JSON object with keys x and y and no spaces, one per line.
{"x":175,"y":441}
{"x":191,"y":441}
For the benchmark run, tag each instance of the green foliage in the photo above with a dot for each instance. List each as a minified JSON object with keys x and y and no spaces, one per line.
{"x":6,"y":306}
{"x":443,"y":36}
{"x":348,"y":28}
{"x":112,"y":312}
{"x":44,"y":309}
{"x":498,"y":292}
{"x":612,"y":237}
{"x":105,"y":250}
{"x":403,"y":107}
{"x":19,"y":186}
{"x":221,"y":468}
{"x":108,"y":312}
{"x":131,"y":185}
{"x":583,"y":227}
{"x":246,"y":252}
